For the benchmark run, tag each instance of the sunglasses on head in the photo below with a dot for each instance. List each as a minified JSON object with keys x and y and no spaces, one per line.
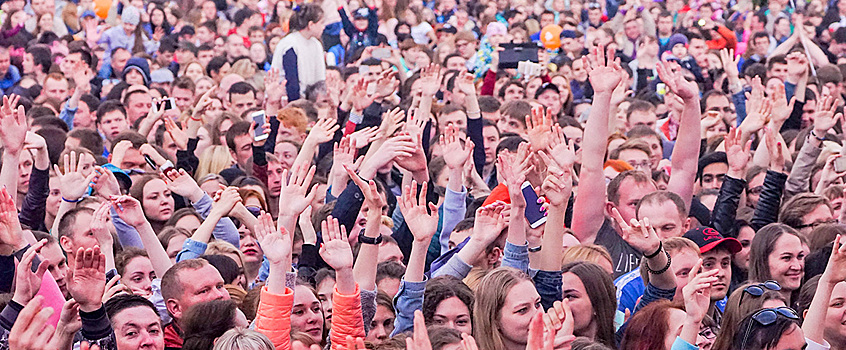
{"x":758,"y":290}
{"x":766,"y":317}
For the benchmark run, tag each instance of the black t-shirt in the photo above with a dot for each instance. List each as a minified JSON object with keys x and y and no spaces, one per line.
{"x":624,"y":258}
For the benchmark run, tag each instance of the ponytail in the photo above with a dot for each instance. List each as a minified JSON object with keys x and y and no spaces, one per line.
{"x":303,"y":14}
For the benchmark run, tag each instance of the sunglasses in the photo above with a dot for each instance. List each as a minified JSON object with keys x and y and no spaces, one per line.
{"x":758,"y":290}
{"x":767,"y":317}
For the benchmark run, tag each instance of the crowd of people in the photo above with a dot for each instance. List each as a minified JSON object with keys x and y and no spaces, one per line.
{"x":393,"y":174}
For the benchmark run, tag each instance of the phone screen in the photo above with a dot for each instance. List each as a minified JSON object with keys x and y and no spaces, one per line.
{"x":258,"y":118}
{"x":533,"y":210}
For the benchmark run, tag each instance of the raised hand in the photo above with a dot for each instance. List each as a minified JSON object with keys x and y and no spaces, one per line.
{"x":468,"y":342}
{"x":179,"y":135}
{"x":776,"y":150}
{"x":730,"y":63}
{"x":737,"y":153}
{"x":372,"y":198}
{"x":430,"y":80}
{"x":755,"y":98}
{"x":561,"y":150}
{"x":335,"y":249}
{"x":836,"y":268}
{"x":364,"y":137}
{"x":28,"y":282}
{"x":276,"y":244}
{"x":105,"y":182}
{"x":387,"y":84}
{"x":640,"y":234}
{"x":604,"y":74}
{"x":100,"y":224}
{"x":354,"y":344}
{"x":181,"y":183}
{"x":69,"y":321}
{"x":670,"y":74}
{"x":391,"y":122}
{"x":781,"y":108}
{"x":225,"y":199}
{"x":343,"y":156}
{"x":89,"y":278}
{"x":422,"y":223}
{"x":295,"y":195}
{"x":758,"y":114}
{"x":322,"y":131}
{"x":539,"y":125}
{"x":697,"y":292}
{"x":420,"y":338}
{"x":129,"y":210}
{"x":274,"y":89}
{"x":72,"y":182}
{"x":514,"y":173}
{"x":455,"y":154}
{"x":31,"y":330}
{"x":359,"y":97}
{"x":559,"y":320}
{"x":558,"y":185}
{"x":825,"y":119}
{"x":488,"y":223}
{"x":10,"y":226}
{"x":538,"y":339}
{"x":13,"y":126}
{"x":464,"y":83}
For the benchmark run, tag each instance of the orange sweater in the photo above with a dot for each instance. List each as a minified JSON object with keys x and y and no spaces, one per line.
{"x":273,"y":317}
{"x":346,"y":318}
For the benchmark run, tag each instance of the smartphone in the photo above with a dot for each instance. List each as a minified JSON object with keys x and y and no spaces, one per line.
{"x":533,"y":214}
{"x":381,"y":53}
{"x":840,"y":164}
{"x":166,"y":104}
{"x":513,"y":54}
{"x":258,"y":117}
{"x":151,"y":162}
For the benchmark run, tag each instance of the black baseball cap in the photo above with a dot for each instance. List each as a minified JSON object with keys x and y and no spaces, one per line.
{"x":708,"y":238}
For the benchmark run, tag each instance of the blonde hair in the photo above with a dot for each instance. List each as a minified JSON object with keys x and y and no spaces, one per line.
{"x":490,"y":298}
{"x":243,"y":67}
{"x":221,"y":248}
{"x":586,"y":252}
{"x":243,"y":339}
{"x":213,"y":160}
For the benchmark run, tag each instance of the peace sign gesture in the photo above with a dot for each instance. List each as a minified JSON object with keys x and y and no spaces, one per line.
{"x":640,"y":234}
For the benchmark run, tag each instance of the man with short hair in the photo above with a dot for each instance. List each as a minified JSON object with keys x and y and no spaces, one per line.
{"x":636,"y":153}
{"x":712,"y":170}
{"x":36,"y":62}
{"x":716,"y":253}
{"x":56,"y":86}
{"x":111,"y":120}
{"x":242,"y":96}
{"x":235,"y":47}
{"x":9,"y":74}
{"x":130,"y":156}
{"x":52,"y":254}
{"x":807,"y":211}
{"x":75,"y":231}
{"x":187,"y":283}
{"x":182,"y":93}
{"x":717,"y":101}
{"x":137,"y":103}
{"x":239,"y":140}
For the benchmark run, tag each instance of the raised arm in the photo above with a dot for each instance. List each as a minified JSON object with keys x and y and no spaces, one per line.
{"x":274,"y":312}
{"x":321,"y":132}
{"x":364,"y":268}
{"x":697,"y":297}
{"x":641,"y":236}
{"x":295,"y":195}
{"x":131,"y":212}
{"x":346,"y":317}
{"x":685,"y":156}
{"x":589,"y":210}
{"x":835,"y":272}
{"x":557,"y":188}
{"x":13,"y":129}
{"x":423,"y":224}
{"x":456,"y":155}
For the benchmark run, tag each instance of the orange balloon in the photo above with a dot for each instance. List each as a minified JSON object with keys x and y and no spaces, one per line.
{"x":102,"y":7}
{"x":550,"y":36}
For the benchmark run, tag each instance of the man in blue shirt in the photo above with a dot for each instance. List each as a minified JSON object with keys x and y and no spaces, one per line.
{"x":9,"y":74}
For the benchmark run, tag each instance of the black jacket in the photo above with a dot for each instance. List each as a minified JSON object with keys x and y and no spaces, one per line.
{"x":768,"y":205}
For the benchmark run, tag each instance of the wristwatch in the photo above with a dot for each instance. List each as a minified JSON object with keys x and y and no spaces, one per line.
{"x":369,"y":240}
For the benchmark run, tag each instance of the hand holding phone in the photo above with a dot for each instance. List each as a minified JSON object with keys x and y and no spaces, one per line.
{"x":534,"y":211}
{"x":259,"y":133}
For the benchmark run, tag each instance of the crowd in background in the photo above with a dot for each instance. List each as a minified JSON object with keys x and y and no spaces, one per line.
{"x":393,"y":174}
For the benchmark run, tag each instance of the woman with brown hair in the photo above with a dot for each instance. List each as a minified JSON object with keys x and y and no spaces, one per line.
{"x":746,"y":299}
{"x":506,"y":302}
{"x":778,"y":253}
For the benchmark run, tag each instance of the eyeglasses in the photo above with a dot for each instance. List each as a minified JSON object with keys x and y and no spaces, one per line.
{"x":815,"y":224}
{"x":645,"y":164}
{"x":757,"y":290}
{"x":707,"y":333}
{"x":767,"y":317}
{"x":756,"y":190}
